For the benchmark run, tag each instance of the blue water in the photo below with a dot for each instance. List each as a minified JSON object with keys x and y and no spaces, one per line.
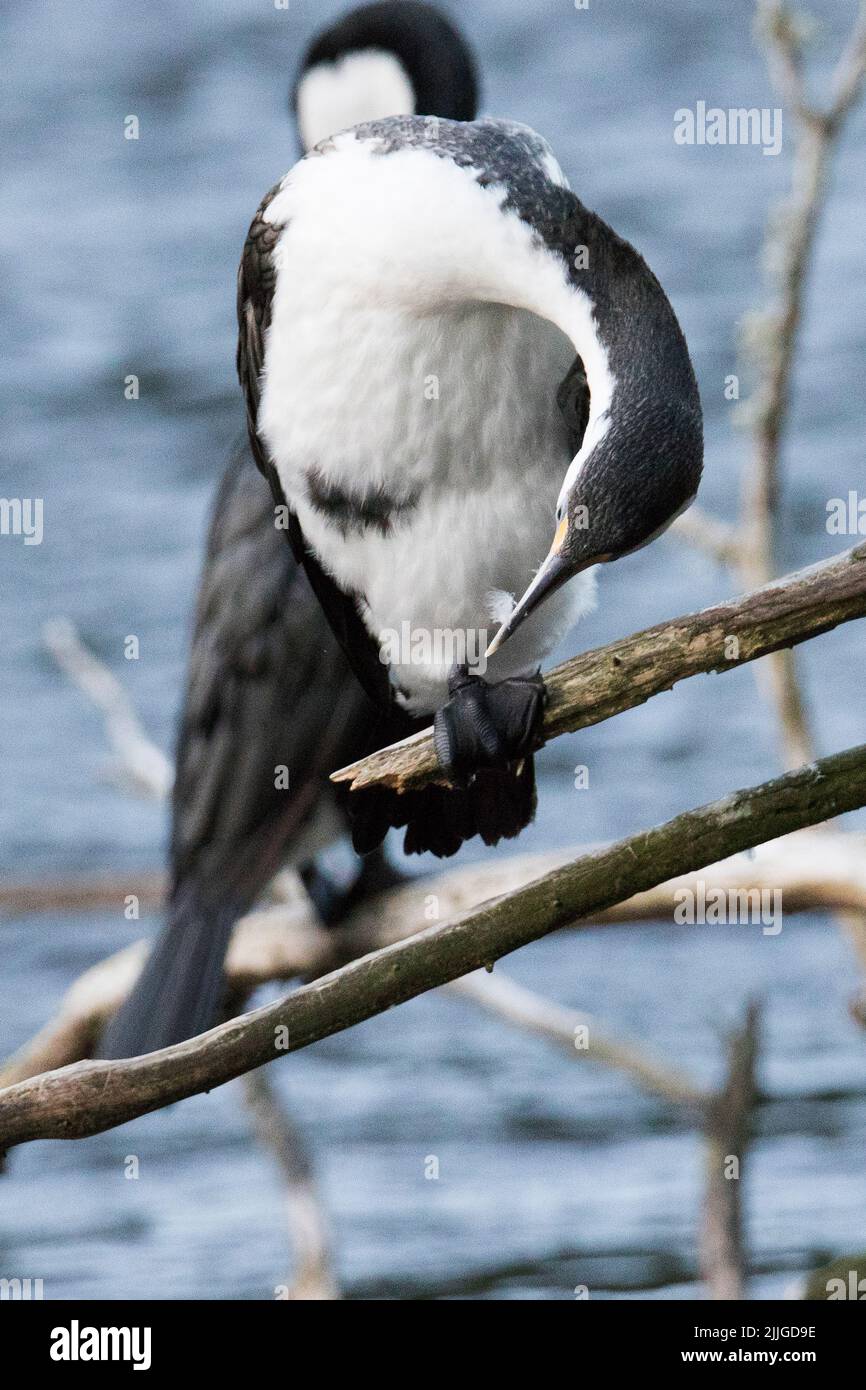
{"x":121,"y":259}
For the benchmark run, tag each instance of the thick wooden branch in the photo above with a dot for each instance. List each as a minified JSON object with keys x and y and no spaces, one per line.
{"x":814,"y":870}
{"x":93,"y":1096}
{"x":598,"y":684}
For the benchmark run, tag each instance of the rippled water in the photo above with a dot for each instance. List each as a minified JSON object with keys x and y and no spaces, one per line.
{"x":121,"y":258}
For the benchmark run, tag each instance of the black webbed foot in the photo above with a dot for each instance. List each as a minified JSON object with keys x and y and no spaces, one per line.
{"x":487,"y":726}
{"x":492,"y":791}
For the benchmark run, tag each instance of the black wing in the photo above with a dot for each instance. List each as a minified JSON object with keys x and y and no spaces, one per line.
{"x":268,"y":688}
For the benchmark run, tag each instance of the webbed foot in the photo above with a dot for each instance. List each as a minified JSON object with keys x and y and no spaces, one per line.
{"x":487,"y":725}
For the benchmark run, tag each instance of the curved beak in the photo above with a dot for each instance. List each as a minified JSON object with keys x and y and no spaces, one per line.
{"x":552,"y":575}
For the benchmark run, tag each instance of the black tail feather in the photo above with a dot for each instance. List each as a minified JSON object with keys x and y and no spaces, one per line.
{"x":497,"y":805}
{"x":181,"y":988}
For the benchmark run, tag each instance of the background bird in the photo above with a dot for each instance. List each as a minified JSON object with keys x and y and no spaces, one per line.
{"x":270,"y":695}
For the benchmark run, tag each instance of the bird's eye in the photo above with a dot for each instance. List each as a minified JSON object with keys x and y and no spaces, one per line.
{"x":560,"y":512}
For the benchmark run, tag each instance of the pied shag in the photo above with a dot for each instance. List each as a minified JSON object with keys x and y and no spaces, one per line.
{"x":268,"y":686}
{"x":447,"y":360}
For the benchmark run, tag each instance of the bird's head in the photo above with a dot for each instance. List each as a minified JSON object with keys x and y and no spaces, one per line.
{"x":626,"y":486}
{"x":389,"y":58}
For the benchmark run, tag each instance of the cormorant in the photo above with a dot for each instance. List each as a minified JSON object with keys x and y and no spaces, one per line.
{"x":447,"y":360}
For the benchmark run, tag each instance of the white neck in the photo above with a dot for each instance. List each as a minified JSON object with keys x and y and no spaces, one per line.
{"x":363,"y":86}
{"x":413,"y":232}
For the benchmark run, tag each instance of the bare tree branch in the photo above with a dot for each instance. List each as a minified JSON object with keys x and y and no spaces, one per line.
{"x":578,"y":1034}
{"x":784,"y":33}
{"x":812,"y":870}
{"x":142,"y":762}
{"x":84,"y":893}
{"x":598,"y":684}
{"x":773,"y":335}
{"x":729,"y":1115}
{"x":771,"y":339}
{"x":817,"y":870}
{"x":850,"y":72}
{"x":314,"y":1275}
{"x":93,"y":1096}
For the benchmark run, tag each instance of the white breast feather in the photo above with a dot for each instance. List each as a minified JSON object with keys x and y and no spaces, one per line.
{"x":418,"y":336}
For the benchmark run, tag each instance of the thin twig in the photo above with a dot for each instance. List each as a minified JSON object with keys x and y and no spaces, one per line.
{"x":314,"y":1273}
{"x":708,"y":534}
{"x":774,"y":334}
{"x":783,"y":34}
{"x":847,"y":82}
{"x":143,"y":763}
{"x":722,"y":1246}
{"x":578,"y":1034}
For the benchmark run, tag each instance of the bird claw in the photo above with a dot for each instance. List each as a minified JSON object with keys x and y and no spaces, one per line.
{"x":486,"y":725}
